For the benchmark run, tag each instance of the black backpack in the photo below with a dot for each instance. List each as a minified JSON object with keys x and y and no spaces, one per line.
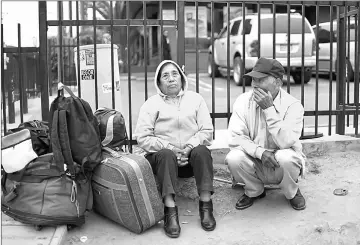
{"x":112,"y":129}
{"x":74,"y":132}
{"x":40,"y":138}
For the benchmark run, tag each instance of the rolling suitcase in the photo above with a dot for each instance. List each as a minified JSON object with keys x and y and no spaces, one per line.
{"x":125,"y":191}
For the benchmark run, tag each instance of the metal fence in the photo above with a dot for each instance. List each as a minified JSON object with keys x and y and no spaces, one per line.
{"x":262,"y":38}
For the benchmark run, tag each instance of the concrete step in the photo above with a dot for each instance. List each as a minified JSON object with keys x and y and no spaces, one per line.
{"x":311,"y":148}
{"x":14,"y":233}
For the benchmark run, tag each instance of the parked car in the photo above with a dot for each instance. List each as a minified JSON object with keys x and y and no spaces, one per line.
{"x":324,"y":34}
{"x":250,"y":29}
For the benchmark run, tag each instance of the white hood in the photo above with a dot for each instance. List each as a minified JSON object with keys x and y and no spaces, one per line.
{"x":185,"y":86}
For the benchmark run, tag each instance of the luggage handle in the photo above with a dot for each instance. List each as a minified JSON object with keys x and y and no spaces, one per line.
{"x":112,"y":152}
{"x":12,"y":193}
{"x":61,"y":86}
{"x":86,"y":106}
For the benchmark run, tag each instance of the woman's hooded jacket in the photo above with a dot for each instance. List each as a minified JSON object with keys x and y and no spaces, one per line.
{"x":166,"y":122}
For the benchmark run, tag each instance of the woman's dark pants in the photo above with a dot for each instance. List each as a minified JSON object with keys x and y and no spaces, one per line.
{"x":165,"y":167}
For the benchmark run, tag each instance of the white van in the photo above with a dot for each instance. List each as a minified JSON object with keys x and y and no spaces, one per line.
{"x":250,"y":29}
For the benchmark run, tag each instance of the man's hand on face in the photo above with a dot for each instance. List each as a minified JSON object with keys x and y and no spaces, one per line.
{"x":263,"y":99}
{"x":268,"y":159}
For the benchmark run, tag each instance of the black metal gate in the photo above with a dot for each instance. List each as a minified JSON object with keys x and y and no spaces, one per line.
{"x":137,"y":28}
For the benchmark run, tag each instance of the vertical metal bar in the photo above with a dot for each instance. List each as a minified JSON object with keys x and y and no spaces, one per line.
{"x":347,"y":95}
{"x":70,"y":18}
{"x":112,"y":56}
{"x":11,"y":89}
{"x":145,"y":48}
{"x":43,"y":75}
{"x":274,"y":32}
{"x":49,"y":45}
{"x":95,"y":57}
{"x":213,"y":76}
{"x":3,"y":79}
{"x":20,"y":80}
{"x":331,"y":67}
{"x":340,"y":119}
{"x":197,"y":45}
{"x":259,"y":28}
{"x":243,"y":56}
{"x":181,"y":33}
{"x":78,"y":49}
{"x":317,"y":72}
{"x":228,"y":65}
{"x":288,"y":48}
{"x":302,"y":52}
{"x":60,"y":43}
{"x":343,"y":63}
{"x":357,"y":70}
{"x":129,"y":68}
{"x":302,"y":58}
{"x":70,"y":41}
{"x":162,"y":31}
{"x":25,"y":82}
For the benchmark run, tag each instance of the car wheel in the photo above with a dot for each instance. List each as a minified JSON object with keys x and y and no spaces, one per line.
{"x":297,"y":76}
{"x":210,"y":68}
{"x":239,"y":73}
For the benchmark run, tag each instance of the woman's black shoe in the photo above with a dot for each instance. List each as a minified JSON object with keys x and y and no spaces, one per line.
{"x":208,"y":222}
{"x":171,"y":222}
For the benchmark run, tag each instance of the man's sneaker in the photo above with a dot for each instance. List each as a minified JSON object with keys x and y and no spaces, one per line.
{"x":298,"y":202}
{"x":245,"y":201}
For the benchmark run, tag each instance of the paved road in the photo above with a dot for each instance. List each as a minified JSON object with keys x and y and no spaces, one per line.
{"x":220,"y":96}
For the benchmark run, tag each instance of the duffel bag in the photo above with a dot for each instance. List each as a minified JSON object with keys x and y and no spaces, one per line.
{"x":43,"y":195}
{"x":40,"y":136}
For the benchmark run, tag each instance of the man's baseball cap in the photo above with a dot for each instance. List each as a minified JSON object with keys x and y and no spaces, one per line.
{"x":267,"y":67}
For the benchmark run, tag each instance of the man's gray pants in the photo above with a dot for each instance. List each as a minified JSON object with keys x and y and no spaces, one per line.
{"x":250,"y":171}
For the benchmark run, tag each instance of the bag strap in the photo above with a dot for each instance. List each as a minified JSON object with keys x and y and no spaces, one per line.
{"x":65,"y":143}
{"x":67,"y":89}
{"x":55,"y":141}
{"x":8,"y":196}
{"x":17,"y":176}
{"x":36,"y":176}
{"x":3,"y":181}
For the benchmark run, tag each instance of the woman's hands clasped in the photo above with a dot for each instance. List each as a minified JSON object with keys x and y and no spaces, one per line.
{"x":182,"y":156}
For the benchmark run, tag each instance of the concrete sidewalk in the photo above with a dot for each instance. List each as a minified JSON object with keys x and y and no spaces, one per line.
{"x":15,"y":233}
{"x":99,"y":230}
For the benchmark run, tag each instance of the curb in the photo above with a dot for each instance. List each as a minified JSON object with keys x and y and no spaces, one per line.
{"x":15,"y":232}
{"x":59,"y":235}
{"x":311,"y":147}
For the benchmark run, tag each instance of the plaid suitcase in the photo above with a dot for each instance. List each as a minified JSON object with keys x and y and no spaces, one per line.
{"x":125,"y":191}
